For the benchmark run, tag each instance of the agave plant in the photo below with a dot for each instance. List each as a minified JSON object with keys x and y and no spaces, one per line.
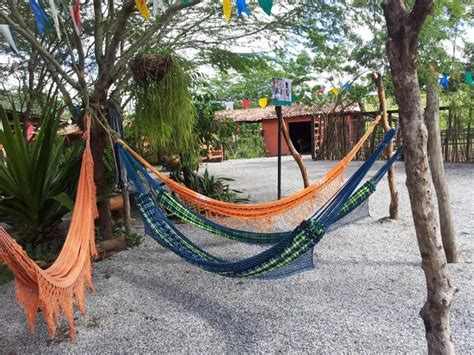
{"x":37,"y":178}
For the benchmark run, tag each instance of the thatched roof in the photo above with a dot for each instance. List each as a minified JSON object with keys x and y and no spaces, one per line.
{"x":268,"y":113}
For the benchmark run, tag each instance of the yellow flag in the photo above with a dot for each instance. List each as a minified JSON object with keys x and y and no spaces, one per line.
{"x":227,"y":7}
{"x":143,"y":9}
{"x":263,"y":102}
{"x":335,"y":91}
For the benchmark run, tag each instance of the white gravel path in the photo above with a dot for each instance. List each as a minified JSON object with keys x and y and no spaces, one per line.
{"x":364,"y":295}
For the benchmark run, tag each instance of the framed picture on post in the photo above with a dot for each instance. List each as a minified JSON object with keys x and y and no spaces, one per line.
{"x":281,"y":92}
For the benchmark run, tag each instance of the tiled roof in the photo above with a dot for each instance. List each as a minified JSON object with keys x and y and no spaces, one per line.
{"x":268,"y":113}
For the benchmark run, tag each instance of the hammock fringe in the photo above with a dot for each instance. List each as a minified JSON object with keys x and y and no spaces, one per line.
{"x":54,"y":290}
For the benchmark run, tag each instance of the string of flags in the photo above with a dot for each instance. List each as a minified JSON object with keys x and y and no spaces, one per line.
{"x":242,"y":7}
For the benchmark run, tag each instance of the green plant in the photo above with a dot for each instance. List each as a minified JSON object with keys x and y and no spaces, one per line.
{"x":207,"y":185}
{"x":247,"y":142}
{"x":38,"y":178}
{"x":164,"y":112}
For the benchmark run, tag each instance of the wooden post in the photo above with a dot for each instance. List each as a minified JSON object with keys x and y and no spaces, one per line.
{"x":393,"y":210}
{"x":295,"y":154}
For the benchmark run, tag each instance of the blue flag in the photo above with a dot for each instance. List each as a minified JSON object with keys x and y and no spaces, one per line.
{"x":42,"y":20}
{"x":347,"y":86}
{"x":444,"y":82}
{"x":242,"y":7}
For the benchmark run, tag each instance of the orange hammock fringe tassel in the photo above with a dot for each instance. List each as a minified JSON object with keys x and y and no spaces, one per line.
{"x":255,"y":211}
{"x":53,"y":290}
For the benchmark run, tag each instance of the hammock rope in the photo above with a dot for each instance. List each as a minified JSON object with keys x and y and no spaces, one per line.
{"x":290,"y":255}
{"x":262,"y":216}
{"x":173,"y":205}
{"x":53,"y":290}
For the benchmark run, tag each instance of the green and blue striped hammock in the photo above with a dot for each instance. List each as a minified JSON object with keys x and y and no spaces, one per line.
{"x":291,"y":252}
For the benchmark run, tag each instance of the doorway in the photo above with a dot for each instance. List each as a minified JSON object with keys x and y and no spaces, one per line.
{"x":300,"y":134}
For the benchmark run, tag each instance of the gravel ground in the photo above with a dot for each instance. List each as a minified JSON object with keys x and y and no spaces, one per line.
{"x":363,"y":296}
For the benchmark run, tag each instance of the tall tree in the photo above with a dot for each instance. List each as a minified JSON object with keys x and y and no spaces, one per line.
{"x":404,"y":26}
{"x":96,"y":67}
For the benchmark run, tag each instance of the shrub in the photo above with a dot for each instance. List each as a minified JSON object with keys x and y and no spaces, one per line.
{"x":37,"y":178}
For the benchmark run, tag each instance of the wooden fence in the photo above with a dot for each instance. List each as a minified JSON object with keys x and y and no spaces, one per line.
{"x":340,"y":134}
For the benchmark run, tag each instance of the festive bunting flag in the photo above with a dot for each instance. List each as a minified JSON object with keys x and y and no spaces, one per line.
{"x":5,"y":30}
{"x":30,"y":132}
{"x":263,"y":102}
{"x":76,"y":16}
{"x":468,"y":77}
{"x":242,"y":7}
{"x":229,"y":105}
{"x":335,"y":90}
{"x":185,"y":2}
{"x":42,"y":20}
{"x":346,"y":86}
{"x":54,"y":14}
{"x":444,"y":82}
{"x":320,"y":91}
{"x":266,"y":5}
{"x":143,"y":9}
{"x":227,"y":8}
{"x":245,"y":103}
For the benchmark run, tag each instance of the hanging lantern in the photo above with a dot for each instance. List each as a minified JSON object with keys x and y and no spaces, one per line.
{"x":227,"y":8}
{"x":266,"y":5}
{"x":263,"y":102}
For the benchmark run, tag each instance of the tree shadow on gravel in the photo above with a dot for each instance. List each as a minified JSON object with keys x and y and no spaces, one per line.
{"x":237,"y":328}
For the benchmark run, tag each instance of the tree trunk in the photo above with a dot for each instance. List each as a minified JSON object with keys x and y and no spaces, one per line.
{"x":393,"y":209}
{"x":98,"y":142}
{"x":296,"y":155}
{"x":435,"y":157}
{"x":403,"y":30}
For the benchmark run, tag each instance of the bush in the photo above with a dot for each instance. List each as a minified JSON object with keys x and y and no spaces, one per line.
{"x":37,"y":178}
{"x":247,"y":142}
{"x":207,"y":185}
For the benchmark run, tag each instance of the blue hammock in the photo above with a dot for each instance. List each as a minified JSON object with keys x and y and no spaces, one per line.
{"x":291,"y":254}
{"x":172,"y":204}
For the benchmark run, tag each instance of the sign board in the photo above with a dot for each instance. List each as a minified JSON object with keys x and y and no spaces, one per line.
{"x":281,"y":92}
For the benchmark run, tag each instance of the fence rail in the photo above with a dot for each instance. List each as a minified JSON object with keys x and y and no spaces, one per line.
{"x":343,"y":130}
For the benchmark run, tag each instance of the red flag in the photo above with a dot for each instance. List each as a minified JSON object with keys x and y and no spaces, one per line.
{"x":30,"y":131}
{"x":76,"y":17}
{"x":245,"y":103}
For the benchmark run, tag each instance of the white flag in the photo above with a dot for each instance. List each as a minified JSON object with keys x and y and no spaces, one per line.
{"x":5,"y":30}
{"x":54,"y":14}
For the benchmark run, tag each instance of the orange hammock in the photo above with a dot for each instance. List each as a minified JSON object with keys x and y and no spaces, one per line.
{"x":53,"y":290}
{"x":259,"y":215}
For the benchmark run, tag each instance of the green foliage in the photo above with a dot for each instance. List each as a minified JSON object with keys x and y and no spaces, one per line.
{"x":209,"y":131}
{"x":37,"y":179}
{"x":164,"y":112}
{"x":247,"y":142}
{"x":207,"y":185}
{"x":133,"y":240}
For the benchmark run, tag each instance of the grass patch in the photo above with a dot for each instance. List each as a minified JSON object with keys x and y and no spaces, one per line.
{"x":5,"y":275}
